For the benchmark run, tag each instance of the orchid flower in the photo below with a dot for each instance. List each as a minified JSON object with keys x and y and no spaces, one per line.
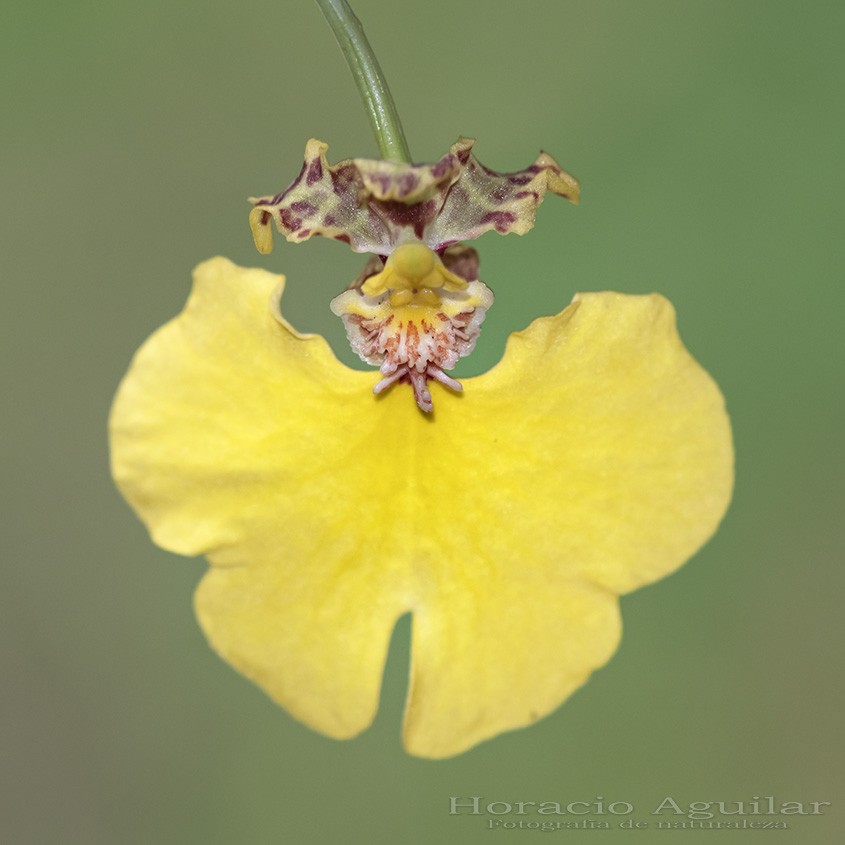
{"x":506,"y":514}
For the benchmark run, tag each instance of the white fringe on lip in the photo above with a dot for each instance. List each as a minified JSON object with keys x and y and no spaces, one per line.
{"x":414,"y":344}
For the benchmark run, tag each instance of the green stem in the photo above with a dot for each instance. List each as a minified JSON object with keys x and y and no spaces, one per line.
{"x":368,"y":76}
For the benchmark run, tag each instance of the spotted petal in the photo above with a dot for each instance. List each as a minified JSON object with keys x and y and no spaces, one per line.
{"x":376,"y":205}
{"x":596,"y":457}
{"x":483,"y":200}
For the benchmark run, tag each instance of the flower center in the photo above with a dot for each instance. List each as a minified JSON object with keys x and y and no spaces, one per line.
{"x":413,"y":320}
{"x":412,"y":273}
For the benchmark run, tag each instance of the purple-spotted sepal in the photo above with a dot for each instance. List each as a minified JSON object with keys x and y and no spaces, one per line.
{"x":375,"y":206}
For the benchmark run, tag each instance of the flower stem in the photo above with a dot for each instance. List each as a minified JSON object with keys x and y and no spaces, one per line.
{"x":368,"y":76}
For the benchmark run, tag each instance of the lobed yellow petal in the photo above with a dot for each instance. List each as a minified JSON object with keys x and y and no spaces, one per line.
{"x":596,"y":457}
{"x":237,"y":438}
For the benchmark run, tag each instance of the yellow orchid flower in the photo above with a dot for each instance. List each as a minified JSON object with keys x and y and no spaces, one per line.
{"x":593,"y":459}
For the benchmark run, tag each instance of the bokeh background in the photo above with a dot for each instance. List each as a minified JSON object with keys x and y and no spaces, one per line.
{"x":708,"y":139}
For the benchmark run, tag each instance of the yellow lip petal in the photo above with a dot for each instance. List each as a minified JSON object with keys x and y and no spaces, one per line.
{"x":594,"y":458}
{"x":237,"y":438}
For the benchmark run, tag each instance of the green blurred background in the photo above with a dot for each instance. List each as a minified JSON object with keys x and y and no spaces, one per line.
{"x":708,"y":139}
